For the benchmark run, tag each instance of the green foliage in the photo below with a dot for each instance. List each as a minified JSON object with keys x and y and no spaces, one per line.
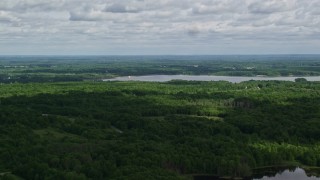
{"x":139,"y":130}
{"x":300,"y":80}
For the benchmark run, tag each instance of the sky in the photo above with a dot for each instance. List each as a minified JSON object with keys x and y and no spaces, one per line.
{"x":159,"y":27}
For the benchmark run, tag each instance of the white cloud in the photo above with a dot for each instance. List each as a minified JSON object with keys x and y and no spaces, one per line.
{"x":6,"y":17}
{"x":82,"y":25}
{"x":121,"y":8}
{"x":271,"y":6}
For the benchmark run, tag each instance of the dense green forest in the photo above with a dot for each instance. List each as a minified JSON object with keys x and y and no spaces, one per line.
{"x":148,"y":130}
{"x":82,"y":68}
{"x":58,"y":120}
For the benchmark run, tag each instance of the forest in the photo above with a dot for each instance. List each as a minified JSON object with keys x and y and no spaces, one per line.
{"x":88,"y":129}
{"x":172,"y":130}
{"x":94,"y":68}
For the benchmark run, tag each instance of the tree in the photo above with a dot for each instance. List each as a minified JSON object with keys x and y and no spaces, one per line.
{"x":301,"y":80}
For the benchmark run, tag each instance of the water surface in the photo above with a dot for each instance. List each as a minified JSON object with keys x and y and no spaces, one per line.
{"x":233,"y":79}
{"x":297,"y":174}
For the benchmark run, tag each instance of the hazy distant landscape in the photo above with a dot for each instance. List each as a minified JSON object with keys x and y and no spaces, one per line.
{"x":82,"y":68}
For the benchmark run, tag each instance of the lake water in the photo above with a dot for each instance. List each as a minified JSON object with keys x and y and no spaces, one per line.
{"x":271,"y":173}
{"x":233,"y":79}
{"x":297,"y":174}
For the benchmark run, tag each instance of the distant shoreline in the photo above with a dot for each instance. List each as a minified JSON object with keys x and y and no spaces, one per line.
{"x":233,"y":79}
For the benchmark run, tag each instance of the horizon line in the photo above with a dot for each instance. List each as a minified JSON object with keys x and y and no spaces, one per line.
{"x":66,"y":55}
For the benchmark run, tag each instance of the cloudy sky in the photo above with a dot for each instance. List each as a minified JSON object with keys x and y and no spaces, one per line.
{"x":105,"y":27}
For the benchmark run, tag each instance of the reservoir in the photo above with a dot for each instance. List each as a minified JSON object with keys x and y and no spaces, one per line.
{"x":233,"y":79}
{"x":296,"y":174}
{"x":273,"y":173}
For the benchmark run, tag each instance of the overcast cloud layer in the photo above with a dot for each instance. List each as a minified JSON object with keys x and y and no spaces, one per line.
{"x":159,"y":26}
